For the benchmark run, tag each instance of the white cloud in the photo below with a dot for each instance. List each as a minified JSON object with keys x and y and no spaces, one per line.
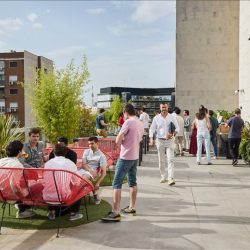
{"x":96,"y":11}
{"x":118,"y":4}
{"x":11,"y":24}
{"x":32,"y":17}
{"x":98,"y":44}
{"x":164,"y":48}
{"x":37,"y":25}
{"x":65,"y":51}
{"x":151,"y":11}
{"x":125,"y":29}
{"x":4,"y":33}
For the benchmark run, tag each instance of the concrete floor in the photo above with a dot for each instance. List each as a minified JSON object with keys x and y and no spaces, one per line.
{"x":208,"y":208}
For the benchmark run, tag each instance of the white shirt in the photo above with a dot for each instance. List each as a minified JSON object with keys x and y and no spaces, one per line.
{"x":180,"y":121}
{"x":59,"y":162}
{"x":162,"y":125}
{"x":145,"y":119}
{"x":95,"y":160}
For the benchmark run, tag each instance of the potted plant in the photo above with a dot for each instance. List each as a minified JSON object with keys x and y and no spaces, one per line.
{"x":244,"y":149}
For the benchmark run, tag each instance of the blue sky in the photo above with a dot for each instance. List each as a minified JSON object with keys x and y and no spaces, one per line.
{"x":127,"y":43}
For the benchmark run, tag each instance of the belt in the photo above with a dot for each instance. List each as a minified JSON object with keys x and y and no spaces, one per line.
{"x":162,"y":139}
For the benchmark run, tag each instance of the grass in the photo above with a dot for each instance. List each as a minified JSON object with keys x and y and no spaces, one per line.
{"x":41,"y":221}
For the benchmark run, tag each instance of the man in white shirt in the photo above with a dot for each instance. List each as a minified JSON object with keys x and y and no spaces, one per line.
{"x":49,"y":192}
{"x":144,"y":117}
{"x":92,"y":159}
{"x":165,"y":141}
{"x":179,"y":136}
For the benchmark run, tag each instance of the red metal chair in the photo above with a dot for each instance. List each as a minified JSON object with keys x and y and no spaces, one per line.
{"x":29,"y":186}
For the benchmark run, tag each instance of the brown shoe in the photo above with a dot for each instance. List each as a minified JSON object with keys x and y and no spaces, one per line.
{"x":209,"y":163}
{"x":198,"y":163}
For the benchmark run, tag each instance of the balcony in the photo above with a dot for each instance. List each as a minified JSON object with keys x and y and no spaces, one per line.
{"x":2,"y":96}
{"x":11,"y":110}
{"x":1,"y":70}
{"x":1,"y":84}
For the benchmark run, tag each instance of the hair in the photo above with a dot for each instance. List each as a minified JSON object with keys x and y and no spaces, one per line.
{"x":14,"y":148}
{"x":143,"y":109}
{"x":130,"y":109}
{"x":164,"y":103}
{"x":63,"y":139}
{"x":196,"y":115}
{"x":34,"y":131}
{"x":201,"y":114}
{"x":121,"y":114}
{"x":211,"y":112}
{"x":237,"y":111}
{"x":175,"y":108}
{"x":177,"y":111}
{"x":205,"y":110}
{"x":157,"y":111}
{"x":93,"y":138}
{"x":101,"y":111}
{"x":60,"y":150}
{"x":186,"y":111}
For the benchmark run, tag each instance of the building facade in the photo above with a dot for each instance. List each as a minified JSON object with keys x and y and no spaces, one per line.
{"x":17,"y":67}
{"x":141,"y":97}
{"x":207,"y":54}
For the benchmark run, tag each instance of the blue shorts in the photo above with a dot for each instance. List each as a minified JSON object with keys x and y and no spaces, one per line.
{"x":122,"y":168}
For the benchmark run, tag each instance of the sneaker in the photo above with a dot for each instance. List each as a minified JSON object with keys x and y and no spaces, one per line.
{"x":187,"y":150}
{"x":111,"y":216}
{"x":51,"y":216}
{"x":171,"y":182}
{"x":97,"y":199}
{"x":16,"y":206}
{"x":129,"y":211}
{"x":25,"y":214}
{"x":198,"y":163}
{"x":215,"y":157}
{"x":182,"y":154}
{"x":209,"y":163}
{"x":163,"y":180}
{"x":75,"y":217}
{"x":235,"y":162}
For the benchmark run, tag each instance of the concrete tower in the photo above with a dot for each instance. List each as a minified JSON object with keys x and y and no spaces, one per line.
{"x":207,"y":54}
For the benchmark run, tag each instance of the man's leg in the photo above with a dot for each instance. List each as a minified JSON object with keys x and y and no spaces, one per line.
{"x":180,"y":138}
{"x":74,"y":210}
{"x":236,"y":147}
{"x":176,"y":145}
{"x":170,"y":159}
{"x":231,"y":148}
{"x":187,"y":140}
{"x":160,"y":144}
{"x":117,"y":200}
{"x":213,"y":140}
{"x":104,"y":133}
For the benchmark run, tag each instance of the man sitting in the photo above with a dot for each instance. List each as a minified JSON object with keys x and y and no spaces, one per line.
{"x":92,"y":159}
{"x":49,"y":192}
{"x":71,"y":154}
{"x":14,"y":152}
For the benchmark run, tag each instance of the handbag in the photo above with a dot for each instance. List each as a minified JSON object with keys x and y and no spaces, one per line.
{"x":171,"y":128}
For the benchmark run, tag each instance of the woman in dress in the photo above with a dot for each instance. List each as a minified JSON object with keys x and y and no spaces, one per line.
{"x":203,"y":133}
{"x":120,"y":122}
{"x":193,"y":142}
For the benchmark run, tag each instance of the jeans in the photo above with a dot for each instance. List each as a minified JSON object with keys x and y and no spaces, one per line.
{"x":168,"y":146}
{"x":122,"y":168}
{"x":234,"y":144}
{"x":206,"y":136}
{"x":213,"y":140}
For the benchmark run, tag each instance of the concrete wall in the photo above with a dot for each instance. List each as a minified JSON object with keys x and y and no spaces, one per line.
{"x":207,"y":54}
{"x":244,"y":75}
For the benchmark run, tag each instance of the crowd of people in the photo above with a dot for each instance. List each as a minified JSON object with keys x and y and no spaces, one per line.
{"x":170,"y":133}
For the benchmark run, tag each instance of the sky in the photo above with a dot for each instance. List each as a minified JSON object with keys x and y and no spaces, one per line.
{"x":127,"y":43}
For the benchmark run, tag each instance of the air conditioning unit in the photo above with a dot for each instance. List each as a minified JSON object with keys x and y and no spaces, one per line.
{"x":13,"y":109}
{"x":11,"y":83}
{"x":8,"y":110}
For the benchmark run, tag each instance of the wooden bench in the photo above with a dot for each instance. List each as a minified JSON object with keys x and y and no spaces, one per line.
{"x":27,"y":185}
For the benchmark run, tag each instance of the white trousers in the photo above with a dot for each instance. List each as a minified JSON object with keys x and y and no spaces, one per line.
{"x":186,"y":140}
{"x":168,"y":147}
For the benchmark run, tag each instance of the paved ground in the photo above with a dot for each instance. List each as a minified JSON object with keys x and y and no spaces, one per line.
{"x":209,"y":208}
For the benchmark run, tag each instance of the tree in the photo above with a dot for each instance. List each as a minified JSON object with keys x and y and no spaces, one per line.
{"x":8,"y":133}
{"x":115,"y":110}
{"x":56,"y":99}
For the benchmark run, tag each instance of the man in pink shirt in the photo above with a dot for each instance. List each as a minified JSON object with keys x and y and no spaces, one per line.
{"x":129,"y":138}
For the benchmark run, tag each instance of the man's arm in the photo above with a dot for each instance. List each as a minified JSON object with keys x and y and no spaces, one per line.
{"x":25,"y":165}
{"x":151,"y":132}
{"x":97,"y":185}
{"x":87,"y":168}
{"x":119,"y":139}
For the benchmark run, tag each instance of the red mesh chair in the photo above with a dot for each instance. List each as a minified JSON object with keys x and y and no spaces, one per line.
{"x":40,"y":187}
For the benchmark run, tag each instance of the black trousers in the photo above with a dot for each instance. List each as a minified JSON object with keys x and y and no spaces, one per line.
{"x":233,"y":144}
{"x":71,"y":209}
{"x":22,"y":208}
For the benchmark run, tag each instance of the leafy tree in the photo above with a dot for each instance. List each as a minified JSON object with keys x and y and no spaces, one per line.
{"x":225,"y":114}
{"x":115,"y":110}
{"x":244,"y":149}
{"x":56,"y":99}
{"x":8,"y":133}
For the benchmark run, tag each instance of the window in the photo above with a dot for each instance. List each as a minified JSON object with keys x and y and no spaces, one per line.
{"x":13,"y":91}
{"x":1,"y":65}
{"x":2,"y":95}
{"x":16,"y":121}
{"x":12,"y":80}
{"x":1,"y":80}
{"x":2,"y":108}
{"x":13,"y":64}
{"x":13,"y":106}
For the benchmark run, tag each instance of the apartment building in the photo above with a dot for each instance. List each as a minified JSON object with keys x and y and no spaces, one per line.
{"x":17,"y":67}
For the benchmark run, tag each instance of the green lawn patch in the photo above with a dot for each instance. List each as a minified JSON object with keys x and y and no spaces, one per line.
{"x":41,"y":221}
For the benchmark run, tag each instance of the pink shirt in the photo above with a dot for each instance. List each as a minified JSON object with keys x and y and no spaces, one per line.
{"x":133,"y":129}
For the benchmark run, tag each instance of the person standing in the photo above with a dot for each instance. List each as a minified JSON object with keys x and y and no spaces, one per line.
{"x":203,"y":128}
{"x":164,"y":141}
{"x":120,"y":122}
{"x":34,"y":149}
{"x":235,"y":124}
{"x":129,"y":139}
{"x":100,"y":124}
{"x":215,"y":125}
{"x":187,"y":129}
{"x":179,"y":136}
{"x":144,"y":117}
